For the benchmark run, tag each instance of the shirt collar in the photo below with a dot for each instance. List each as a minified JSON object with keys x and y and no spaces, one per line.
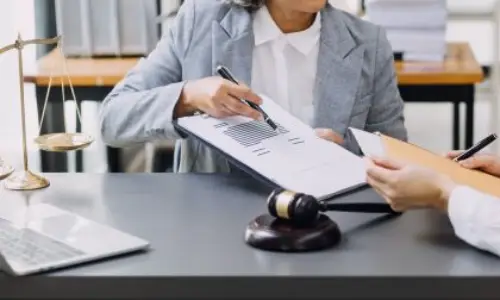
{"x":266,"y":30}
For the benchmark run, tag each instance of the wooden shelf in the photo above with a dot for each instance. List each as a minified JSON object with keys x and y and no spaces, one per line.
{"x":460,"y":67}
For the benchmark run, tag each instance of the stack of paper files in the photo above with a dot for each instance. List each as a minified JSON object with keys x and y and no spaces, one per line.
{"x":415,"y":28}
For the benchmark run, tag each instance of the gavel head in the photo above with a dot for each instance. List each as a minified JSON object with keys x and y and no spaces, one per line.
{"x":297,"y":208}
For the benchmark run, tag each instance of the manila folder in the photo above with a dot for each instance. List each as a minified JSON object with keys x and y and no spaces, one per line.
{"x":385,"y":146}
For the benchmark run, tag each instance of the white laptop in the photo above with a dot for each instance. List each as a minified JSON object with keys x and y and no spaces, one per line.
{"x":41,"y":237}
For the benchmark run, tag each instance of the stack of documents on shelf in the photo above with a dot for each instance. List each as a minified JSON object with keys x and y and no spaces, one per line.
{"x":415,"y":28}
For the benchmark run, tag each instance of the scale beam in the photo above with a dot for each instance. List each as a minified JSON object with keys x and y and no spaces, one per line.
{"x":19,"y":44}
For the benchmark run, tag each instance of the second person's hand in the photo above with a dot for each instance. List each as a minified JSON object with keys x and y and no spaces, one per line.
{"x":405,"y":186}
{"x":218,"y":98}
{"x":329,"y":135}
{"x":487,"y":163}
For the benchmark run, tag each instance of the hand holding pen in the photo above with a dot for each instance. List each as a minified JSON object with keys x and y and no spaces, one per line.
{"x":470,"y":158}
{"x":217,"y":97}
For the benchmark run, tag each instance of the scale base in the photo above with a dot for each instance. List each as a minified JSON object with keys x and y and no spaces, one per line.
{"x":25,"y":181}
{"x":268,"y":233}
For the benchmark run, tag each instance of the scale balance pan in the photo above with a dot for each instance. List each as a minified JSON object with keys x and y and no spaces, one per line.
{"x":5,"y":170}
{"x":62,"y":142}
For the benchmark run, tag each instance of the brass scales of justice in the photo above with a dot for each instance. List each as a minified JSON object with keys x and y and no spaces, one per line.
{"x":55,"y":142}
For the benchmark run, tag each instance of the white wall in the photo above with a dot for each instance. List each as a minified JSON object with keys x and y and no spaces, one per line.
{"x":16,"y":16}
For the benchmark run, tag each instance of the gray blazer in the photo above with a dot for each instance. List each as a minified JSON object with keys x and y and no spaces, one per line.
{"x":356,"y":83}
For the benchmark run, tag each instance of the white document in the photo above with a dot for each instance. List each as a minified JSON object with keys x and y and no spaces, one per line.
{"x":370,"y":143}
{"x":417,"y":40}
{"x":292,"y":157}
{"x":415,"y":27}
{"x":417,"y":14}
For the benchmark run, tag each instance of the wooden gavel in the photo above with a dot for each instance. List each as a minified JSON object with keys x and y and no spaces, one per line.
{"x":302,"y":209}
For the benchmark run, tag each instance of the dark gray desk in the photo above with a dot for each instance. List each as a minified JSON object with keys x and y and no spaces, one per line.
{"x":196,"y":224}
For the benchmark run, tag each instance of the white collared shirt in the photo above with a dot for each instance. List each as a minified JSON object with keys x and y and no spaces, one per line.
{"x":284,"y":65}
{"x":475,"y":217}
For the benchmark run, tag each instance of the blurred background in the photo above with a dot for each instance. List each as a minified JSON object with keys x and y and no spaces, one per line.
{"x":430,"y":123}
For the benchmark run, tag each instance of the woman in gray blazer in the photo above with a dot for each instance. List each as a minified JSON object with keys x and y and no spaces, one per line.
{"x":330,"y":69}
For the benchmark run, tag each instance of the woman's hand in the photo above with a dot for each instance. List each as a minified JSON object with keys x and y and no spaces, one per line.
{"x":218,"y":98}
{"x":487,"y":163}
{"x":407,"y":187}
{"x":329,"y":135}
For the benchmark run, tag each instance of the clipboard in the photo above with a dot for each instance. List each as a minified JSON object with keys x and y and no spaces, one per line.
{"x":414,"y":154}
{"x":186,"y":133}
{"x":245,"y":168}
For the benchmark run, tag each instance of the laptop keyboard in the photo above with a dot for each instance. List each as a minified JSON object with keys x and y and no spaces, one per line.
{"x":30,"y":248}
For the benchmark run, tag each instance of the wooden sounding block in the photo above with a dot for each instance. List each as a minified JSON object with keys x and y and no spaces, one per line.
{"x":406,"y":152}
{"x":271,"y":234}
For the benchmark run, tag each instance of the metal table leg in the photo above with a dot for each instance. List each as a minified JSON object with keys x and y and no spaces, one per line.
{"x":454,"y":94}
{"x":456,"y":126}
{"x":469,"y":116}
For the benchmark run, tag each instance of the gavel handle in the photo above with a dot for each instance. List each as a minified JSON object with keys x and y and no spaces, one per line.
{"x":359,"y":207}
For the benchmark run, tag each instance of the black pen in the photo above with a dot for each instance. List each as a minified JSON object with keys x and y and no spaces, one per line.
{"x":226,"y":74}
{"x":477,"y":147}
